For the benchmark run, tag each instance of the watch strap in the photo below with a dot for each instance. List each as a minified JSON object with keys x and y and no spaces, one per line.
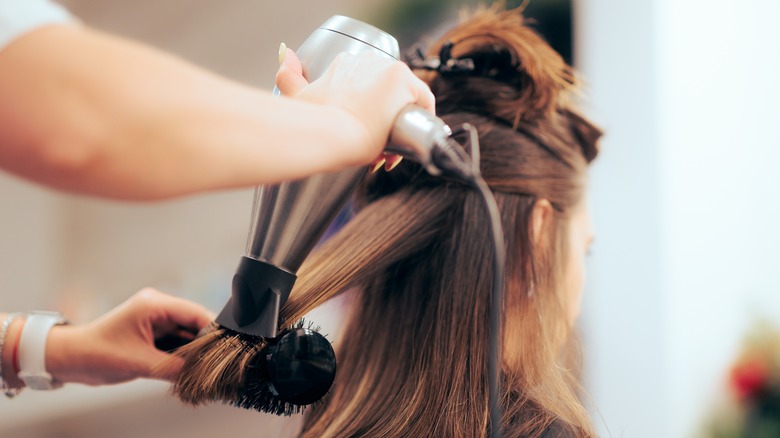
{"x":32,"y":350}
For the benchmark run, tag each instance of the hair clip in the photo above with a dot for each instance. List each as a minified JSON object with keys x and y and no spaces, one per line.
{"x":443,"y":64}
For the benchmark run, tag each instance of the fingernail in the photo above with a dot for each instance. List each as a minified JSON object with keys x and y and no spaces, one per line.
{"x":378,"y":165}
{"x":282,"y":52}
{"x":390,"y":165}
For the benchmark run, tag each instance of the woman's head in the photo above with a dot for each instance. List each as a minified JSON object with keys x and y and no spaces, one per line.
{"x":413,"y":359}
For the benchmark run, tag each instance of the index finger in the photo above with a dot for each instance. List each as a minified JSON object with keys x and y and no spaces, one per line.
{"x":184,"y":313}
{"x":289,"y":77}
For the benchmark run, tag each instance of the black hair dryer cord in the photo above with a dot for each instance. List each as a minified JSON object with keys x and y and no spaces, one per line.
{"x":453,"y":161}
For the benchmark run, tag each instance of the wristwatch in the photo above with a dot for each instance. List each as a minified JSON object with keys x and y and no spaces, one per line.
{"x":32,"y":349}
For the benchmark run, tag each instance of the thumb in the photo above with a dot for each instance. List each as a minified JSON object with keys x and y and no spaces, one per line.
{"x":164,"y":366}
{"x":289,"y":77}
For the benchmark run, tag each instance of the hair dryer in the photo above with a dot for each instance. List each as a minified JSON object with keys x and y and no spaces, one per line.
{"x":288,"y":219}
{"x":298,"y":365}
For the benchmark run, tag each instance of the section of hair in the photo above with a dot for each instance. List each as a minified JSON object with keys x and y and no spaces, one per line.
{"x":413,"y":358}
{"x":214,"y":367}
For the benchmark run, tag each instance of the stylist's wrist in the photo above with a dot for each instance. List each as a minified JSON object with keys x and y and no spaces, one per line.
{"x":62,"y":353}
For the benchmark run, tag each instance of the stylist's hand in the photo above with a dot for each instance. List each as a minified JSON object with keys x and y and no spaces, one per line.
{"x":120,"y":345}
{"x":370,"y":87}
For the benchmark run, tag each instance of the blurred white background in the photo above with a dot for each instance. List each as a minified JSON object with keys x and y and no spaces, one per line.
{"x":683,"y":196}
{"x":684,"y":200}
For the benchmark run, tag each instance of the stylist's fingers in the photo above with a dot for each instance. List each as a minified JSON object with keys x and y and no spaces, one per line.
{"x":391,"y":161}
{"x":173,"y":311}
{"x":386,"y":160}
{"x":164,"y":366}
{"x":289,"y":77}
{"x":186,"y":313}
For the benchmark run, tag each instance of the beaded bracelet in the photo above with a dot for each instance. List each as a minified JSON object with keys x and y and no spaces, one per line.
{"x":9,"y":392}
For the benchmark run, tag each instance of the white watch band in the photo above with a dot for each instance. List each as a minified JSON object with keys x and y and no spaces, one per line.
{"x":32,"y":350}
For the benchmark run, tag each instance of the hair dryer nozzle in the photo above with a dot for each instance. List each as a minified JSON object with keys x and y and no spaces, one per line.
{"x":259,"y":290}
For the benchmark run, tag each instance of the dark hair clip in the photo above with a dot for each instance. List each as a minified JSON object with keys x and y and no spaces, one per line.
{"x":444,"y":63}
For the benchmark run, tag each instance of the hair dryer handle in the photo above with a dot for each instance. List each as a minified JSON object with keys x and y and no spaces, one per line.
{"x":416,"y":133}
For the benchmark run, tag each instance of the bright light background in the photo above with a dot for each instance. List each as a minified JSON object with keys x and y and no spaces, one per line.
{"x":683,"y":197}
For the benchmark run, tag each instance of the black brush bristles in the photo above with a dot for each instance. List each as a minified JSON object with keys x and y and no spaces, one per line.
{"x":279,"y":376}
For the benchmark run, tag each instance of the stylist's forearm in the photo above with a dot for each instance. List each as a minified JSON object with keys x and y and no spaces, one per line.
{"x":95,"y":114}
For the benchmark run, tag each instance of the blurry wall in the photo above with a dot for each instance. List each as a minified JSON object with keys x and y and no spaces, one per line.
{"x":684,"y":200}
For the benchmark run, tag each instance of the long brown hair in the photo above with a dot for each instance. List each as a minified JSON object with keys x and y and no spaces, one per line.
{"x":417,"y":256}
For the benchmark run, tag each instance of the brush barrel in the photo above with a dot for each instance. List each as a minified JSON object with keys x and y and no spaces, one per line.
{"x":300,"y":367}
